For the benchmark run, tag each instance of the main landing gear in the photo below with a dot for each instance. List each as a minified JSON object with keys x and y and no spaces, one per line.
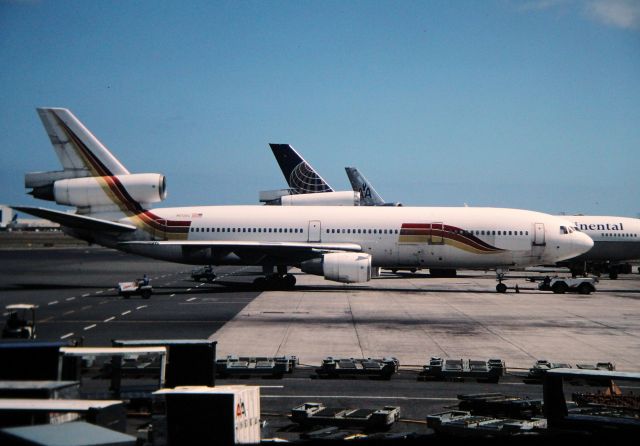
{"x":500,"y":287}
{"x":278,"y":280}
{"x":275,"y":282}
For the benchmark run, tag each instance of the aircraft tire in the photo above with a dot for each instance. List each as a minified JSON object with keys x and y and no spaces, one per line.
{"x":501,"y":288}
{"x":289,"y":281}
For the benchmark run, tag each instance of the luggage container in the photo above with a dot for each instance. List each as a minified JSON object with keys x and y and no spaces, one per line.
{"x":318,"y":414}
{"x":451,"y":369}
{"x":40,"y":389}
{"x":247,"y":366}
{"x":198,"y":415}
{"x":352,"y":368}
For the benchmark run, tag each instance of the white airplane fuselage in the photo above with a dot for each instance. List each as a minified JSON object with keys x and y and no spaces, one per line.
{"x":393,"y":236}
{"x":615,"y":238}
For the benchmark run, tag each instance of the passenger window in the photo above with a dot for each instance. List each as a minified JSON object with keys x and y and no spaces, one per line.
{"x":563,"y":230}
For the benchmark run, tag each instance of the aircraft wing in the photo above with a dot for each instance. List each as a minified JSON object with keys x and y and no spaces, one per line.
{"x":271,"y":247}
{"x":74,"y":220}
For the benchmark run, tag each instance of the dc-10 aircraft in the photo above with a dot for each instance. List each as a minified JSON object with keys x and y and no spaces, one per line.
{"x":616,"y":239}
{"x":339,"y":243}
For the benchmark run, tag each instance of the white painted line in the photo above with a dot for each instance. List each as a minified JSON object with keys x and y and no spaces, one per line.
{"x":188,"y":289}
{"x":111,"y":289}
{"x":86,"y":295}
{"x":89,"y":327}
{"x":53,"y":302}
{"x":103,"y":302}
{"x":169,"y":296}
{"x":69,"y":299}
{"x":364,"y":397}
{"x":109,"y":319}
{"x":125,"y":313}
{"x":100,"y":292}
{"x":189,"y":300}
{"x":86,"y":307}
{"x":69,"y":312}
{"x":66,"y":336}
{"x":141,"y":307}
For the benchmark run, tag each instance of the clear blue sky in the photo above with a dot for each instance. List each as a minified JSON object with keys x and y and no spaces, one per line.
{"x":526,"y":104}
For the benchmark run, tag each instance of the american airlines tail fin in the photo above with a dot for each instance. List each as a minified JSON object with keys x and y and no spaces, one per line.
{"x":368,"y":195}
{"x":299,"y":174}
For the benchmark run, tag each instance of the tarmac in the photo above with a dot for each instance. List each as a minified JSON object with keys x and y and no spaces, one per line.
{"x":413,"y":317}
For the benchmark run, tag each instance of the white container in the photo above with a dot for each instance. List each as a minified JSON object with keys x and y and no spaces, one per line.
{"x":222,"y":413}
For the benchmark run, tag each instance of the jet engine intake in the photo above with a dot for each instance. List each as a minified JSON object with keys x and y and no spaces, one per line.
{"x":345,"y":267}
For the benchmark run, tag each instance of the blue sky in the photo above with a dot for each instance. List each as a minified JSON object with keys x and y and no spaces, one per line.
{"x":526,"y":104}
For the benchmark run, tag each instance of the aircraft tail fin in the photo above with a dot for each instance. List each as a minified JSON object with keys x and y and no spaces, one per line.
{"x":368,"y":195}
{"x":78,"y":150}
{"x":300,"y":176}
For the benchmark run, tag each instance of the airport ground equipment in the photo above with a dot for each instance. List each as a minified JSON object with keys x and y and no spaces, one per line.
{"x":25,"y":411}
{"x":205,"y":273}
{"x":198,"y":415}
{"x":310,"y":414}
{"x":247,"y":366}
{"x":463,"y":423}
{"x":354,"y":367}
{"x":136,"y":287}
{"x":76,"y":432}
{"x":40,"y":389}
{"x":613,"y":415}
{"x":490,"y":370}
{"x":561,"y":285}
{"x":21,"y":322}
{"x":191,"y":362}
{"x":33,"y":360}
{"x":117,"y":355}
{"x":499,"y":405}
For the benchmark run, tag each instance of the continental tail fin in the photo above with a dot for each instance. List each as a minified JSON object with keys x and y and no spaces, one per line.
{"x":300,"y":176}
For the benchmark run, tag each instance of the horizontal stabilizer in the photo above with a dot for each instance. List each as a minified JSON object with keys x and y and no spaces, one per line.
{"x":74,"y":220}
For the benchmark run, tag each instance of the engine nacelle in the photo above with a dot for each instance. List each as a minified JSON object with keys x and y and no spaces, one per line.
{"x":342,"y":198}
{"x":345,"y":267}
{"x":94,"y":191}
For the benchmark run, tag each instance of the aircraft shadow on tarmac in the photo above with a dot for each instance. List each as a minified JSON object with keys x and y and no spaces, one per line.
{"x":52,"y":286}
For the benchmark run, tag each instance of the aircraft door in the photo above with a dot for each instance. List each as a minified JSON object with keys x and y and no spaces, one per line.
{"x":315,"y":230}
{"x":538,"y":234}
{"x":436,"y":234}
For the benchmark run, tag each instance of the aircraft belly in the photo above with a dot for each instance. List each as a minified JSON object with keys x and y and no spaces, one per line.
{"x":616,"y":250}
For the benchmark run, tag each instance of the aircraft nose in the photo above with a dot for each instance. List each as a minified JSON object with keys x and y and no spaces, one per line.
{"x":582,"y":242}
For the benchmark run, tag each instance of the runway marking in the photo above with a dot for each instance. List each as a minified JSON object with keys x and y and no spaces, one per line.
{"x":141,"y":307}
{"x":189,"y":300}
{"x":125,"y":313}
{"x":100,"y":292}
{"x":69,"y":299}
{"x":111,"y":289}
{"x":86,"y":295}
{"x":67,"y":335}
{"x":188,"y":289}
{"x":69,"y":312}
{"x":172,"y":295}
{"x":103,"y":302}
{"x":109,"y":319}
{"x":89,"y":327}
{"x":46,"y":319}
{"x":53,"y":302}
{"x":405,"y":398}
{"x":86,"y":307}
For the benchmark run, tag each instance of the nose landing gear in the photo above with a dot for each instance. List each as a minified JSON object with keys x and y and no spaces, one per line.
{"x":500,"y":287}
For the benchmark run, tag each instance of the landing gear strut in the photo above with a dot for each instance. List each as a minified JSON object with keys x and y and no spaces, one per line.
{"x":500,"y":287}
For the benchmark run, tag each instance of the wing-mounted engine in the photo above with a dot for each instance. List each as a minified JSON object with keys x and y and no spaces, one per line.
{"x":284,"y":197}
{"x":345,"y":267}
{"x":90,"y":191}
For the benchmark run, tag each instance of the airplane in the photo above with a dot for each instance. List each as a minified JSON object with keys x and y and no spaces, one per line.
{"x":616,"y":239}
{"x":342,"y":244}
{"x":616,"y":242}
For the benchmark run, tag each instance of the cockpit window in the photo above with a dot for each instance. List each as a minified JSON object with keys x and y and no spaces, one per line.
{"x":563,"y":230}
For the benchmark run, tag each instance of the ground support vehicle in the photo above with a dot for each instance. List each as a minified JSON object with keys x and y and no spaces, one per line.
{"x":203,"y":274}
{"x":561,"y":285}
{"x":140,"y":287}
{"x":21,"y":322}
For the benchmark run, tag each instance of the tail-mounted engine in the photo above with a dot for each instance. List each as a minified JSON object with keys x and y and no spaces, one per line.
{"x":97,"y":191}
